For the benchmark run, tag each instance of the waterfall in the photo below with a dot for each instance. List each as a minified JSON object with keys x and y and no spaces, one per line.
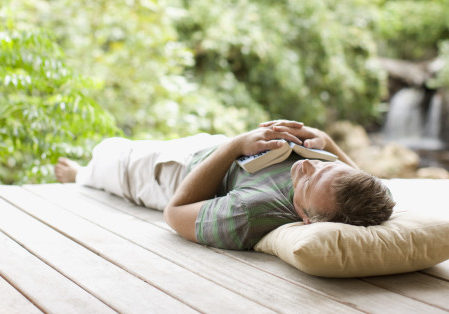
{"x":408,"y":124}
{"x":404,"y":119}
{"x":433,"y":122}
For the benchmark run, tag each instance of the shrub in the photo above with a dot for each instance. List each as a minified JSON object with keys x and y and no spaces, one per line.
{"x":45,"y":109}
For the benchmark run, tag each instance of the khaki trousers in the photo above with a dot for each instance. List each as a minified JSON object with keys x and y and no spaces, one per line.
{"x":145,"y":172}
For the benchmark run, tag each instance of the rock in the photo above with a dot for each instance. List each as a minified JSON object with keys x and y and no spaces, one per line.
{"x":390,"y":161}
{"x":348,"y":136}
{"x":411,"y":73}
{"x":432,"y":173}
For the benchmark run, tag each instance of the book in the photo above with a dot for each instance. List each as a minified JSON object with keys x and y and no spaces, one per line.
{"x":267,"y":158}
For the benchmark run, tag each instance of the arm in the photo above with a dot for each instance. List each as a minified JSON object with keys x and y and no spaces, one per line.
{"x":332,"y":147}
{"x":311,"y":137}
{"x":203,"y":182}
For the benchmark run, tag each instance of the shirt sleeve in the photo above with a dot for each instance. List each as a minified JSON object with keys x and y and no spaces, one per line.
{"x":239,"y":219}
{"x":223,"y":222}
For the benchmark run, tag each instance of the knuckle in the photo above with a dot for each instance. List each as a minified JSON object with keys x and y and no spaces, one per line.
{"x":267,"y":132}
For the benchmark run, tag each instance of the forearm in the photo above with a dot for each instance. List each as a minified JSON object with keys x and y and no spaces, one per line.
{"x":200,"y":185}
{"x":203,"y":182}
{"x":333,"y":148}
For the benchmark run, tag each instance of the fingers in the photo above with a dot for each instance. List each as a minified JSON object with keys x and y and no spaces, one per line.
{"x":287,"y":123}
{"x":270,"y":145}
{"x":303,"y":132}
{"x":311,"y":137}
{"x":267,"y":124}
{"x":262,"y":139}
{"x":273,"y":135}
{"x":316,"y":142}
{"x":290,"y":137}
{"x":262,"y":145}
{"x":294,"y":131}
{"x":298,"y":133}
{"x":290,"y":124}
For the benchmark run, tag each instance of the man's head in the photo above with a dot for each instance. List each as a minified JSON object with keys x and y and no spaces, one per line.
{"x":333,"y":191}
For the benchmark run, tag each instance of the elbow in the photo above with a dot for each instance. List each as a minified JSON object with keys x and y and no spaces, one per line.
{"x":182,"y":219}
{"x":172,"y":217}
{"x":168,"y":212}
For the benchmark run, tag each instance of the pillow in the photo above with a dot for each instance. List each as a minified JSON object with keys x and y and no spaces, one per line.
{"x":404,"y":243}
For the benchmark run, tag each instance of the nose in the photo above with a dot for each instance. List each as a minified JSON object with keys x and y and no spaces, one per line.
{"x":308,"y":166}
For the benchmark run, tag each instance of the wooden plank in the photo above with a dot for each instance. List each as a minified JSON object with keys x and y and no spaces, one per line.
{"x":441,"y":270}
{"x":153,"y":216}
{"x":356,"y":292}
{"x":165,"y":275}
{"x":363,"y":295}
{"x":418,"y":286}
{"x":109,"y":283}
{"x":49,"y":290}
{"x":271,"y":291}
{"x":12,"y":301}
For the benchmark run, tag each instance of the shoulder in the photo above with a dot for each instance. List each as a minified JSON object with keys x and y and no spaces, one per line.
{"x":223,"y":222}
{"x":239,"y":219}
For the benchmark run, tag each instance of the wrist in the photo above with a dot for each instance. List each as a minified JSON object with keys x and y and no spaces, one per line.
{"x":235,"y":146}
{"x":329,"y":143}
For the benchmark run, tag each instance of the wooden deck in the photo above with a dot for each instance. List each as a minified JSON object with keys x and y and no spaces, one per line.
{"x":68,"y":249}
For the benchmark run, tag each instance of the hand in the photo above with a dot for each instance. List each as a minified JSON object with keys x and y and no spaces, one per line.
{"x":288,"y":123}
{"x":262,"y":139}
{"x":311,"y":137}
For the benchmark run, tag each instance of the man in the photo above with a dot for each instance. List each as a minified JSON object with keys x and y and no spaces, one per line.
{"x":211,"y":200}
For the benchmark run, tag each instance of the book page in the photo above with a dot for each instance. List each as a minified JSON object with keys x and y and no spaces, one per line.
{"x":313,"y":153}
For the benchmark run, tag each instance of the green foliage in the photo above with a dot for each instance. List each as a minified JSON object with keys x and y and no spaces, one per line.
{"x":442,"y":79}
{"x":171,"y":68}
{"x":133,"y":49}
{"x":305,"y":60}
{"x":206,"y":64}
{"x":45,"y":110}
{"x":415,"y":30}
{"x":412,"y":29}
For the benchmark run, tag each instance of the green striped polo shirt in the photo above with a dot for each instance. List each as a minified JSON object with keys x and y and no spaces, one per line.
{"x":247,"y":206}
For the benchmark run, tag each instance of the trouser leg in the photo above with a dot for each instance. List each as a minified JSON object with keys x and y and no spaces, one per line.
{"x":107,"y":168}
{"x":145,"y":172}
{"x":155,"y":171}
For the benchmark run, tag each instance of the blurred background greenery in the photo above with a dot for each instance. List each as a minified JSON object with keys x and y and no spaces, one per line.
{"x":74,"y":72}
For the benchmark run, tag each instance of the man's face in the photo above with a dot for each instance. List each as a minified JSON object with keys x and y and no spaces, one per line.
{"x":312,"y":181}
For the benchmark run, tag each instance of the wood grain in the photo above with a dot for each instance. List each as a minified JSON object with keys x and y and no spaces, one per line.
{"x":266,"y":289}
{"x":356,"y":292}
{"x":166,"y":276}
{"x":12,"y":301}
{"x":107,"y":282}
{"x":50,"y":290}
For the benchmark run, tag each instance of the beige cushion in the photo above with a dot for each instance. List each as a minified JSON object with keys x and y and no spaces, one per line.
{"x":404,"y":243}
